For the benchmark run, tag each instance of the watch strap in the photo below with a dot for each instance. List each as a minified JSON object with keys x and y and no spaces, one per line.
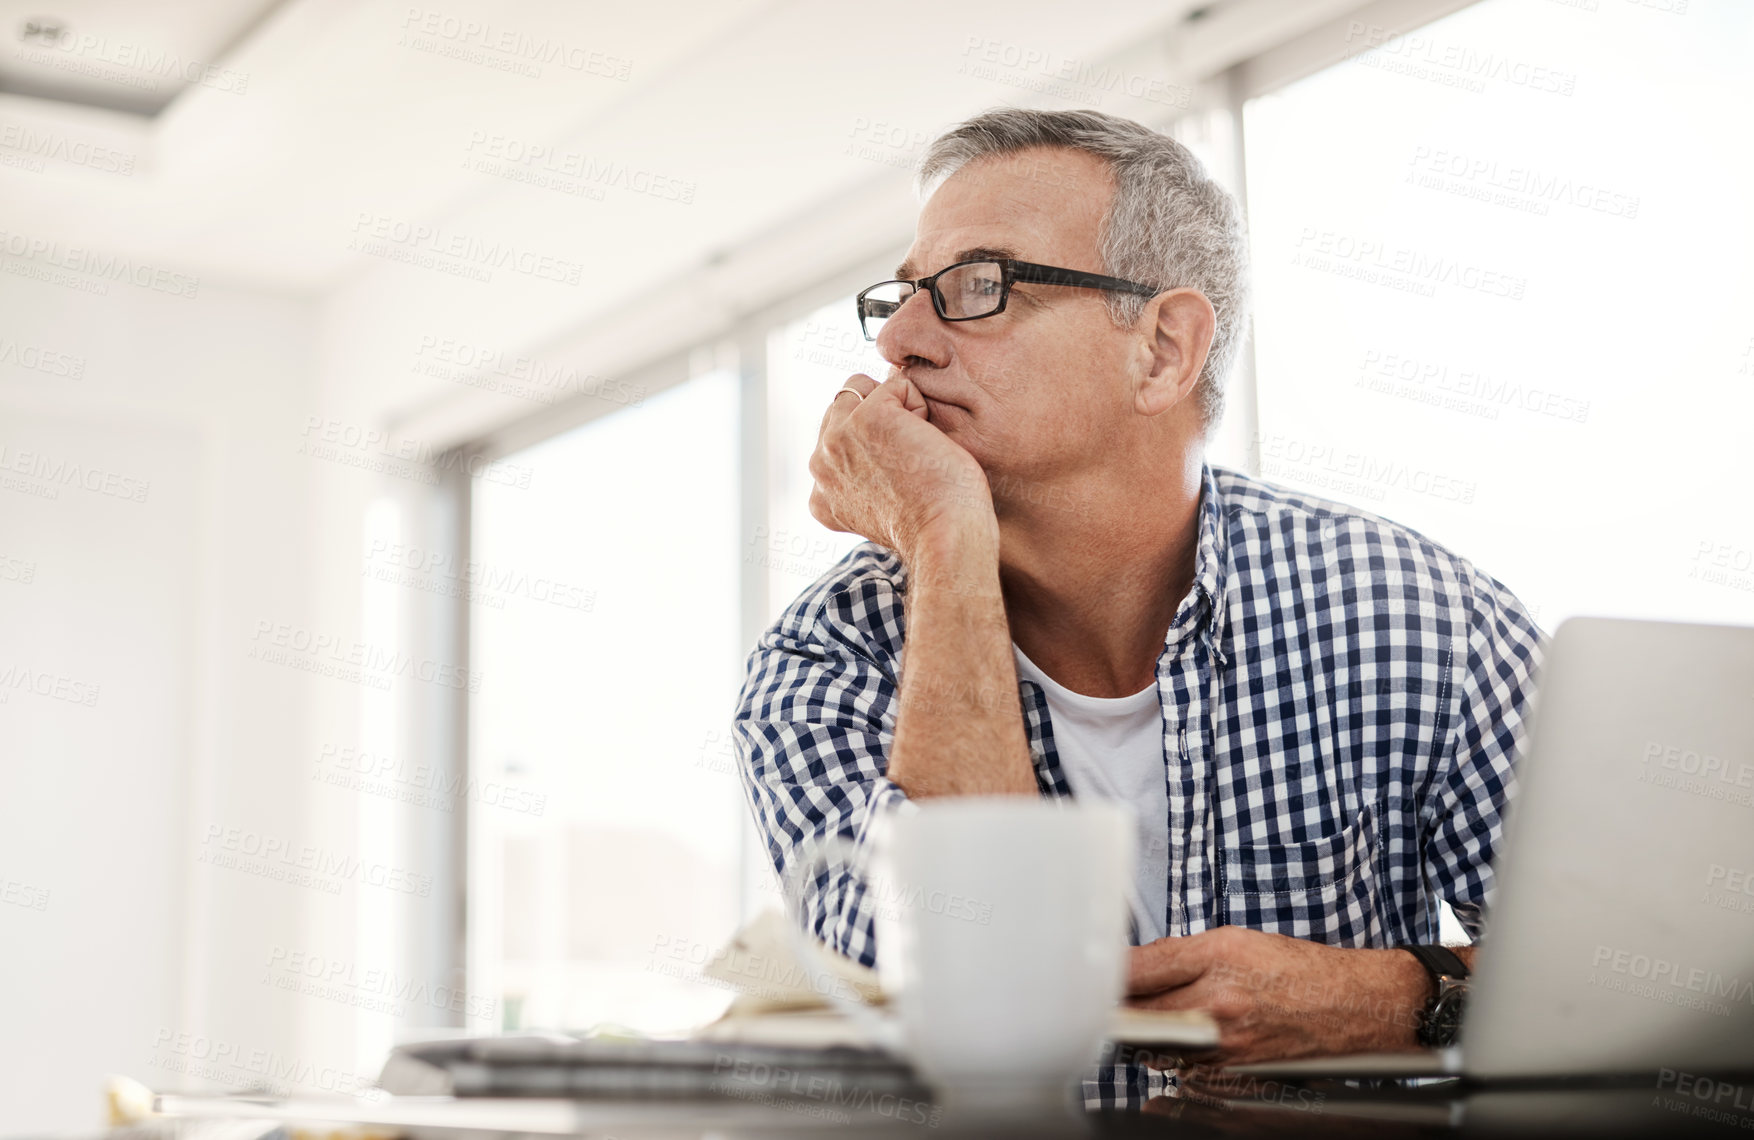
{"x":1439,"y":962}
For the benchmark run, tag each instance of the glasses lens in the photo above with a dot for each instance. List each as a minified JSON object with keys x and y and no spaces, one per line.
{"x":972,"y":290}
{"x":878,"y":303}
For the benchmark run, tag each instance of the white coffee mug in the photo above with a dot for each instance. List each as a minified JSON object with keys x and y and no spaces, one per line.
{"x":1001,"y":927}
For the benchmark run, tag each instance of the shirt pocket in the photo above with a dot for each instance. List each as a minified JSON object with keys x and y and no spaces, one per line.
{"x":1325,"y":890}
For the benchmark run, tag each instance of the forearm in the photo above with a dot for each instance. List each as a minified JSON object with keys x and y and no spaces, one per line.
{"x":959,"y":730}
{"x":1402,"y":989}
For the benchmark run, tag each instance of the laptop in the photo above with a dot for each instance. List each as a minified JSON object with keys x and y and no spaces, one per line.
{"x":1621,"y":938}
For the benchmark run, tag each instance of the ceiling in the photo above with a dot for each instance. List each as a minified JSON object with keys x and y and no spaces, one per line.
{"x":135,"y":58}
{"x":333,"y":111}
{"x":393,"y":152}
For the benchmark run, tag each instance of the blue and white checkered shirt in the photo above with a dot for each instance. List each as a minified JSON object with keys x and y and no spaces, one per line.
{"x":1343,"y":701}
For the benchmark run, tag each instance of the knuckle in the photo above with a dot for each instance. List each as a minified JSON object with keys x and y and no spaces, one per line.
{"x":1229,"y":1006}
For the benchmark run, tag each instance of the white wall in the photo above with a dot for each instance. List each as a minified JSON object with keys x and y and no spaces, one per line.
{"x":245,"y":417}
{"x":145,"y":611}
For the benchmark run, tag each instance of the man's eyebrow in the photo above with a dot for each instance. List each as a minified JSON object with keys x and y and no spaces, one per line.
{"x":905,"y":271}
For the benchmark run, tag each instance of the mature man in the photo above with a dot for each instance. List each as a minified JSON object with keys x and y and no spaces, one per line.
{"x":1314,"y":710}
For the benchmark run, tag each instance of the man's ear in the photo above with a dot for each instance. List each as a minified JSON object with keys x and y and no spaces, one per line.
{"x":1175,"y":332}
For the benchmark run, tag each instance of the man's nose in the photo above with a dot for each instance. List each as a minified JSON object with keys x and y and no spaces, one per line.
{"x":913,"y":334}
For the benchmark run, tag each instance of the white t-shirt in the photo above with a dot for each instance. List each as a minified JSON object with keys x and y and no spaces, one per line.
{"x":1111,"y":748}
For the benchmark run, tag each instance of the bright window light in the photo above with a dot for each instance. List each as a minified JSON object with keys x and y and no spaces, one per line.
{"x":1503,"y":297}
{"x":609,"y":656}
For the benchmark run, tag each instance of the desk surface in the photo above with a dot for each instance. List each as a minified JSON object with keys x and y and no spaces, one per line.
{"x":1316,"y":1109}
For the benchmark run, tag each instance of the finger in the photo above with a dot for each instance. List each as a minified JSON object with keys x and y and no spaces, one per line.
{"x":897,"y":388}
{"x":904,"y":392}
{"x":1187,"y":997}
{"x":840,"y":405}
{"x":862,"y":384}
{"x":913,"y":399}
{"x":1166,"y":963}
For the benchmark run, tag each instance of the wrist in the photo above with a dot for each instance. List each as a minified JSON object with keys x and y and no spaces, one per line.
{"x":1447,"y":974}
{"x":954,"y":546}
{"x":1413,"y":985}
{"x":1404,"y":990}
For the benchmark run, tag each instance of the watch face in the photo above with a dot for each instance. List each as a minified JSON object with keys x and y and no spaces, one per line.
{"x":1445,"y":1019}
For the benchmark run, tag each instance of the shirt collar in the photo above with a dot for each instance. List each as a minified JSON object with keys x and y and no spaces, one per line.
{"x":1201,"y":613}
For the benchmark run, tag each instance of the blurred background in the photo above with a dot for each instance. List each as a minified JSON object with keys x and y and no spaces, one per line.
{"x":404,"y":412}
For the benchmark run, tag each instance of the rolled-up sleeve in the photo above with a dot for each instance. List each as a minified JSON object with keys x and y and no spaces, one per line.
{"x":1495,"y":685}
{"x":812,"y":733}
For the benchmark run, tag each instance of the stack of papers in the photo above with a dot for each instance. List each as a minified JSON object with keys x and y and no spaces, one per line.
{"x":778,"y":1035}
{"x":776,"y":1004}
{"x":558,"y":1065}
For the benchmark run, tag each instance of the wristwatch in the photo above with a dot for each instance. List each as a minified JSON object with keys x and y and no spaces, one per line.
{"x":1441,"y":1019}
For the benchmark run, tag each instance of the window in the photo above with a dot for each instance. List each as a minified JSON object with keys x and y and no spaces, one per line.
{"x":605,"y":835}
{"x":1498,"y":298}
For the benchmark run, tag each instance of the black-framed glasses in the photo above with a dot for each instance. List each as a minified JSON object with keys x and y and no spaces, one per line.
{"x":970,"y":290}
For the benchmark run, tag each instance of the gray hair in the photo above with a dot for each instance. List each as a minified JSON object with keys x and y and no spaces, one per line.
{"x":1170,"y":224}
